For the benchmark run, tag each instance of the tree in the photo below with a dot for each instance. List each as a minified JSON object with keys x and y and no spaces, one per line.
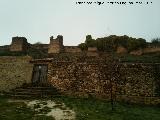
{"x":100,"y":44}
{"x":90,"y":42}
{"x":112,"y":42}
{"x":83,"y":46}
{"x":111,"y":70}
{"x":155,"y":41}
{"x":104,"y":44}
{"x":134,"y":44}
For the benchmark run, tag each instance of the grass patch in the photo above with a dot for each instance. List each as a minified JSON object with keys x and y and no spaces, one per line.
{"x":85,"y":108}
{"x":145,"y":58}
{"x":18,"y":111}
{"x":92,"y":109}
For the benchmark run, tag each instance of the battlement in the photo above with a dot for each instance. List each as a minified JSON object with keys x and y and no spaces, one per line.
{"x":56,"y":45}
{"x":18,"y":44}
{"x":19,"y":39}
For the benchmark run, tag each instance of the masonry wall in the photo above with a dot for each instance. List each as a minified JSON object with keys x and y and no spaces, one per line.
{"x":4,"y":48}
{"x":72,"y":49}
{"x":87,"y":79}
{"x":14,"y":72}
{"x":40,"y":46}
{"x":138,"y":80}
{"x":19,"y":44}
{"x":56,"y":45}
{"x":145,"y":50}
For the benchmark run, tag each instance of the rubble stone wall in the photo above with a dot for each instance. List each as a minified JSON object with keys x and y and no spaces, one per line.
{"x":87,"y":79}
{"x":14,"y":72}
{"x":72,"y":49}
{"x":19,"y":44}
{"x":4,"y":48}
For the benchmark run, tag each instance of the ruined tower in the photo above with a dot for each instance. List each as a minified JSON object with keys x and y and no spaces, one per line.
{"x":56,"y":45}
{"x":18,"y":44}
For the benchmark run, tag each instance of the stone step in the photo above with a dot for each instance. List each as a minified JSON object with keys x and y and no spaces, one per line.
{"x":33,"y":96}
{"x":33,"y":92}
{"x":51,"y":91}
{"x":40,"y":88}
{"x":36,"y":89}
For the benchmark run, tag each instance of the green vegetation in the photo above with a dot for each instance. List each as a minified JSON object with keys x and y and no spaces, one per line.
{"x":155,"y":42}
{"x":145,"y":58}
{"x":105,"y":44}
{"x":85,"y":108}
{"x":18,"y":111}
{"x":8,"y":53}
{"x":36,"y":53}
{"x":111,"y":43}
{"x":92,"y":109}
{"x":31,"y":52}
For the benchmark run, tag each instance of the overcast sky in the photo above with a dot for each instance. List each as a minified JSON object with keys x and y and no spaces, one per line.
{"x":37,"y":20}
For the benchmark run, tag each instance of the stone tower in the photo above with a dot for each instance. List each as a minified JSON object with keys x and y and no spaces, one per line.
{"x":18,"y":44}
{"x":56,"y":45}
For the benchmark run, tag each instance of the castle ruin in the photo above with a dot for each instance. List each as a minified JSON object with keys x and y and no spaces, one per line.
{"x":20,"y":44}
{"x":56,"y":45}
{"x":79,"y":75}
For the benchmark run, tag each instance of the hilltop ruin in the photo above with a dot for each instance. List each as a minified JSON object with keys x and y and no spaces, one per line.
{"x":77,"y":73}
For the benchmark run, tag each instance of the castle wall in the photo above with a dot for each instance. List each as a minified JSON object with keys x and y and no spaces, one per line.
{"x":92,"y":51}
{"x":150,"y":50}
{"x":145,"y":50}
{"x":56,"y":45}
{"x":72,"y":49}
{"x":88,"y":79}
{"x":18,"y":44}
{"x":14,"y":72}
{"x":4,"y":48}
{"x":40,"y":46}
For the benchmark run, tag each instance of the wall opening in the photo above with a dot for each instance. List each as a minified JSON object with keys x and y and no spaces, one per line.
{"x":39,"y":76}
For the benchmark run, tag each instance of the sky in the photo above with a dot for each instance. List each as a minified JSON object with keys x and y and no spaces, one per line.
{"x":37,"y":20}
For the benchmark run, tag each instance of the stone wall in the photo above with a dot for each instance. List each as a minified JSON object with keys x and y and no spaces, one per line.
{"x":87,"y":76}
{"x":14,"y":72}
{"x":72,"y":49}
{"x":92,"y":51}
{"x":4,"y":48}
{"x":151,"y":49}
{"x":19,"y":44}
{"x":145,"y":50}
{"x":40,"y":46}
{"x":139,"y":80}
{"x":56,"y":45}
{"x":121,"y":50}
{"x":88,"y":79}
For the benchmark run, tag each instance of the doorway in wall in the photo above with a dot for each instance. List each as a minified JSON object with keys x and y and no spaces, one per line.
{"x":39,"y":76}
